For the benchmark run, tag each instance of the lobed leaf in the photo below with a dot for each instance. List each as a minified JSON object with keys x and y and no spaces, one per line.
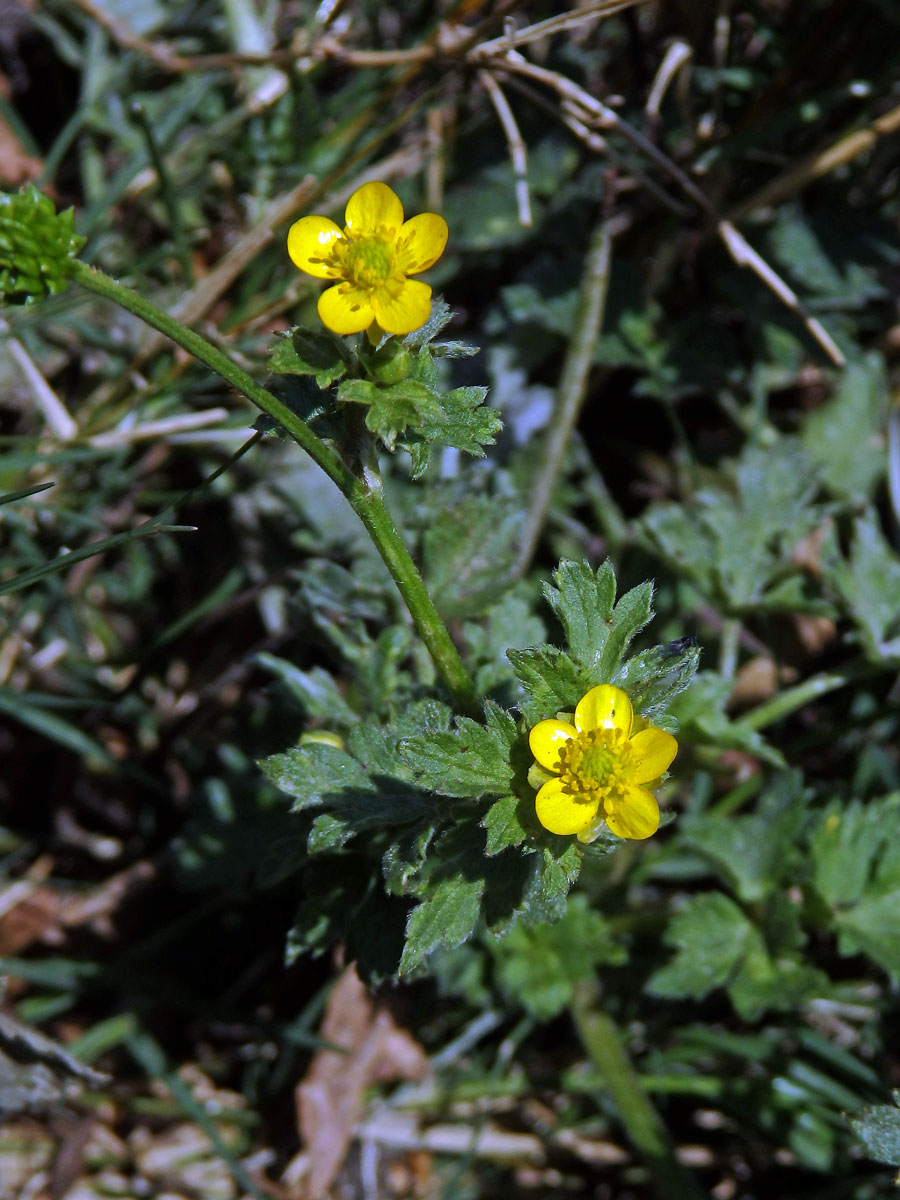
{"x":469,"y":761}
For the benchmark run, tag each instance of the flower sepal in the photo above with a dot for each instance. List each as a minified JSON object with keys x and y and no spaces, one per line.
{"x":314,"y":352}
{"x":390,"y":362}
{"x":538,"y":776}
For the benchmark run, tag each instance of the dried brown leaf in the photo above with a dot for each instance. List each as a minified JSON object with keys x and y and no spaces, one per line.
{"x":330,"y":1099}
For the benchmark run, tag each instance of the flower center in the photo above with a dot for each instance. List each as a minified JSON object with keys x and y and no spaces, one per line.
{"x":369,"y":261}
{"x":590,"y":763}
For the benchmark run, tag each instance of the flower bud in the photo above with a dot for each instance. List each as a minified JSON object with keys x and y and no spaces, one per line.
{"x":391,"y":364}
{"x":35,"y":245}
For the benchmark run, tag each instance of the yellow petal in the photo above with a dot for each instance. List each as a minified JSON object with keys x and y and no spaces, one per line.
{"x":559,"y":813}
{"x":372,"y":207}
{"x":345,"y":309}
{"x":547,"y":739}
{"x":404,"y":310}
{"x":420,"y":243}
{"x":604,"y":707}
{"x":635,"y":814}
{"x":311,"y":242}
{"x":650,"y":753}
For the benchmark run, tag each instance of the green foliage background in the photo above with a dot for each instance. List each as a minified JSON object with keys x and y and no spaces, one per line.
{"x":750,"y":952}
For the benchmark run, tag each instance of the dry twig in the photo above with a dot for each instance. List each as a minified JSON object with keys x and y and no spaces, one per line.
{"x":514,"y":141}
{"x":585,"y":110}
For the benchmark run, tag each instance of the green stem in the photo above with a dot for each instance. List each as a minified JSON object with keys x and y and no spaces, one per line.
{"x":572,"y":387}
{"x":365,"y":502}
{"x":646,"y":1131}
{"x":793,"y":698}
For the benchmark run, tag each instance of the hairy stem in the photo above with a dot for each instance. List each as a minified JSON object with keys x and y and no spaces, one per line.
{"x":365,"y":502}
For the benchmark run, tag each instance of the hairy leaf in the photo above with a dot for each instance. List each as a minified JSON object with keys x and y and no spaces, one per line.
{"x":869,"y":585}
{"x":878,"y":1128}
{"x":552,"y":680}
{"x":445,"y":919}
{"x":469,"y":761}
{"x":538,"y":965}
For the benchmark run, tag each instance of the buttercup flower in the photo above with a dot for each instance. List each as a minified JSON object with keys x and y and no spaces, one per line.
{"x":599,"y":765}
{"x":371,"y":256}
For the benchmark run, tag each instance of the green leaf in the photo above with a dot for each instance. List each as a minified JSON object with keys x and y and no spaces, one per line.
{"x":445,"y":919}
{"x":812,"y":265}
{"x":464,"y":421}
{"x":310,"y":352}
{"x":10,"y":497}
{"x":314,"y":772}
{"x":305,"y":399}
{"x":871,"y":927}
{"x":537,"y":966}
{"x":718,"y":946}
{"x":676,"y":534}
{"x":597,"y":630}
{"x":373,"y":787}
{"x":504,"y":822}
{"x":555,"y":872}
{"x":441,"y":315}
{"x":335,"y":886}
{"x":846,"y":435}
{"x":17,"y":707}
{"x":358,"y":391}
{"x":315,"y":689}
{"x":328,"y":832}
{"x":869,"y":585}
{"x":353,"y":812}
{"x":390,"y":363}
{"x":583,"y":601}
{"x":405,"y":858}
{"x":856,"y":871}
{"x":393,"y":407}
{"x":711,"y":935}
{"x":502,"y":723}
{"x":469,"y":761}
{"x":633,"y":611}
{"x":847,"y":845}
{"x":654,"y":677}
{"x":423,"y":369}
{"x":374,"y":936}
{"x":470,"y":550}
{"x":508,"y":623}
{"x":758,"y":853}
{"x":552,"y":680}
{"x":878,"y":1128}
{"x":420,"y":457}
{"x":378,"y":747}
{"x":734,"y":542}
{"x":454,"y":350}
{"x":343,"y":906}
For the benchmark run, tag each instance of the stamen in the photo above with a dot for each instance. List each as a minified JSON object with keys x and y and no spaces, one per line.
{"x":369,"y":262}
{"x":589,"y":764}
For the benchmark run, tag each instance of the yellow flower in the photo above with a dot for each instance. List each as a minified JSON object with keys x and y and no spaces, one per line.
{"x":598,"y":766}
{"x":371,"y":256}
